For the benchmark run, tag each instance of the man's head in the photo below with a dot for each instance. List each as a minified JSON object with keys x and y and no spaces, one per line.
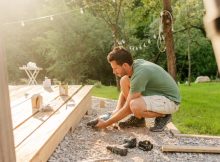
{"x":121,"y":61}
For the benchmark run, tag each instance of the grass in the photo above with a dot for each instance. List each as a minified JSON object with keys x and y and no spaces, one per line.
{"x":106,"y":92}
{"x":199,"y":111}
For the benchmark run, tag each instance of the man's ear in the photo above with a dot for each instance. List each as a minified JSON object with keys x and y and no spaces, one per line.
{"x":126,"y":65}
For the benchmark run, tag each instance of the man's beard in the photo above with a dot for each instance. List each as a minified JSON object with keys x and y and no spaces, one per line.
{"x":123,"y":73}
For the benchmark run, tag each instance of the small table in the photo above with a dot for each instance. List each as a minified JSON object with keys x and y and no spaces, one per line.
{"x":31,"y":73}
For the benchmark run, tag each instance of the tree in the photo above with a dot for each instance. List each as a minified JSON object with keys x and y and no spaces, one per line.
{"x":192,"y":47}
{"x":66,"y":47}
{"x":110,"y":11}
{"x":168,"y":25}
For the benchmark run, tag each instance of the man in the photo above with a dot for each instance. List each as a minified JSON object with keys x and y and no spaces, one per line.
{"x":147,"y":91}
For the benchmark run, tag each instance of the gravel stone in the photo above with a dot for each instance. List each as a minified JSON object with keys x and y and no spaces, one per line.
{"x":87,"y":144}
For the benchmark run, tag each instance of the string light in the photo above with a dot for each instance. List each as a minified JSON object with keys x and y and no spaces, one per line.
{"x":51,"y":18}
{"x":22,"y":23}
{"x":171,"y":17}
{"x":161,"y":39}
{"x":143,"y":45}
{"x":81,"y":11}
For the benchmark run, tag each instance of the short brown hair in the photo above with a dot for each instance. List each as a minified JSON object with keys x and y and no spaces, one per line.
{"x":120,"y":55}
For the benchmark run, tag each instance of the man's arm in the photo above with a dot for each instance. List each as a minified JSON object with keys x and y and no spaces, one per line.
{"x":120,"y":103}
{"x":120,"y":114}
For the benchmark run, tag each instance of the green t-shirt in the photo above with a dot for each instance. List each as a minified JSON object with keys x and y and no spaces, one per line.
{"x":150,"y":79}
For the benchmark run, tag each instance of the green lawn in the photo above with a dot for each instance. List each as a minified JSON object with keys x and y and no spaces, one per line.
{"x":106,"y":92}
{"x":199,"y":111}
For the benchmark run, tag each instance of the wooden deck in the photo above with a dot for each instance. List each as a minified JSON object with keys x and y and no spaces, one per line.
{"x":37,"y":133}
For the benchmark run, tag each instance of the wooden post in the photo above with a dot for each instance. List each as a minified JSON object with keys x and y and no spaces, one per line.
{"x":212,"y":26}
{"x":167,"y":28}
{"x":7,"y":150}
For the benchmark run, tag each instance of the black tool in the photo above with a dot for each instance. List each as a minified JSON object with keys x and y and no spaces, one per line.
{"x":130,"y":143}
{"x":118,"y":150}
{"x":93,"y":122}
{"x":145,"y":145}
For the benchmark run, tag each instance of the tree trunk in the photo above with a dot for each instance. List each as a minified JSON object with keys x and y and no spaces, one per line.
{"x":189,"y":58}
{"x":116,"y":36}
{"x":212,"y":26}
{"x":167,"y":28}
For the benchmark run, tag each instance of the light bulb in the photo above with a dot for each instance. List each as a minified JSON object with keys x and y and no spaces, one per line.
{"x":22,"y":23}
{"x":51,"y":18}
{"x":81,"y":11}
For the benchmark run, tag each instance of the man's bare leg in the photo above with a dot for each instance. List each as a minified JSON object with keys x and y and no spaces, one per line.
{"x":138,"y":107}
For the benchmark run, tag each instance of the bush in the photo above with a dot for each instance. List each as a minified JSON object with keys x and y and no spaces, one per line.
{"x":96,"y":83}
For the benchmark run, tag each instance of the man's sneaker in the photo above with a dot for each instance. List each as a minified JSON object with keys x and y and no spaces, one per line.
{"x":160,"y":123}
{"x":132,"y":122}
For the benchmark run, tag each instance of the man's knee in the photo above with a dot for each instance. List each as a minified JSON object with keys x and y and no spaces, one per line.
{"x":135,"y":108}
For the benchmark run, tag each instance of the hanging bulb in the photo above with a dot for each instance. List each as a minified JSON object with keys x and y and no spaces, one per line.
{"x":155,"y":37}
{"x":22,"y":23}
{"x":149,"y":42}
{"x":81,"y":11}
{"x":137,"y":48}
{"x":144,"y":45}
{"x":119,"y":43}
{"x":122,"y":41}
{"x":51,"y":18}
{"x":140,"y":47}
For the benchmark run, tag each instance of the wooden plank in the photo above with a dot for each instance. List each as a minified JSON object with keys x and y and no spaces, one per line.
{"x":31,"y":91}
{"x":197,"y":149}
{"x":27,"y":128}
{"x":197,"y":136}
{"x":18,"y":89}
{"x":14,"y":87}
{"x":41,"y":144}
{"x":7,"y":152}
{"x":23,"y":92}
{"x":177,"y":133}
{"x":24,"y":111}
{"x":212,"y":13}
{"x":173,"y":128}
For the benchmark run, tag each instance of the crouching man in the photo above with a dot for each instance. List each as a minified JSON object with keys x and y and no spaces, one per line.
{"x":147,"y":91}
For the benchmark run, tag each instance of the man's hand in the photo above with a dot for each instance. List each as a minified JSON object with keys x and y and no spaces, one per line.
{"x":101,"y":124}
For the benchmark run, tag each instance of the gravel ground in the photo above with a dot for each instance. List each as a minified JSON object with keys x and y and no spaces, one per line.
{"x":87,"y":144}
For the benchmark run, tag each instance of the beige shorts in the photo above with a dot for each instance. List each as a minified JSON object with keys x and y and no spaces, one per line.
{"x":160,"y":104}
